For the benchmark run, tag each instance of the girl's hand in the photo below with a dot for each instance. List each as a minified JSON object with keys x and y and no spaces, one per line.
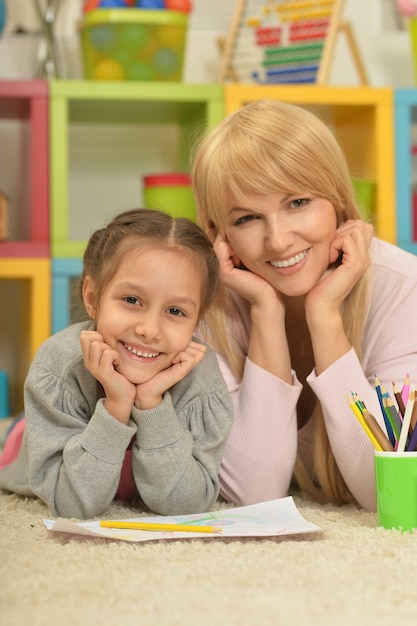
{"x":101,"y":361}
{"x":250,"y":286}
{"x":349,"y":260}
{"x":149,"y":394}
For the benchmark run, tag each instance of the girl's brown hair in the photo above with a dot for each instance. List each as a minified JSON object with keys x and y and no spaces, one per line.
{"x":271,"y":147}
{"x":132,"y":229}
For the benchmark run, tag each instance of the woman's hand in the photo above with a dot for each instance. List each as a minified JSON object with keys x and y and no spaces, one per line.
{"x":101,"y":361}
{"x":268,"y":335}
{"x":348,"y":261}
{"x":150,"y":394}
{"x":250,"y":286}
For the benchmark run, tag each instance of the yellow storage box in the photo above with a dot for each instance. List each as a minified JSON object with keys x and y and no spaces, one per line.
{"x":134,"y":44}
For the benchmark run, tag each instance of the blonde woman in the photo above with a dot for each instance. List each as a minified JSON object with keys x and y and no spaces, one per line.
{"x":312,"y":306}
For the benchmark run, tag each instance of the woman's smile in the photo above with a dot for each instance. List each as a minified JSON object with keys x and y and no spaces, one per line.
{"x":291,"y":261}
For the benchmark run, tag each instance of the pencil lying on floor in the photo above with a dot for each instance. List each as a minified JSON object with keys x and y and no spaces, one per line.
{"x":187,"y":528}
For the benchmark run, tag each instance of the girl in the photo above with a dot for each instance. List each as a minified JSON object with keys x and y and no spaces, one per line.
{"x":130,"y":399}
{"x":313,"y":306}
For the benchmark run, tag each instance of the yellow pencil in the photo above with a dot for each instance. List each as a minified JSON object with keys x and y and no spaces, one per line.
{"x":357,"y":412}
{"x":160,"y":527}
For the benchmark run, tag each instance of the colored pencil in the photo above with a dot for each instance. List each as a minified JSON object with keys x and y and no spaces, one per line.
{"x":413,"y":422}
{"x":387,"y":421}
{"x":406,"y":423}
{"x":412,"y":444}
{"x":358,"y":413}
{"x":159,"y":527}
{"x":405,"y":389}
{"x":377,"y":431}
{"x":398,"y":398}
{"x":392,"y":416}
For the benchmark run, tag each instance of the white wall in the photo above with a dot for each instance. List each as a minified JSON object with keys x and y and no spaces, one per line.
{"x":386,"y":54}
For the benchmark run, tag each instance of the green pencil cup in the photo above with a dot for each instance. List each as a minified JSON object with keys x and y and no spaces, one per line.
{"x":171,"y":193}
{"x":396,"y":489}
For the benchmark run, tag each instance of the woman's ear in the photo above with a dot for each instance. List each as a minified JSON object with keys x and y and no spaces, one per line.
{"x":89,"y":297}
{"x":212,"y":231}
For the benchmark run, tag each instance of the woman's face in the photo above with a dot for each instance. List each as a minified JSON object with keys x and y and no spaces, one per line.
{"x":284,"y":239}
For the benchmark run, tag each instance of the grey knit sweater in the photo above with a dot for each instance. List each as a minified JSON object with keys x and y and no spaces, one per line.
{"x":73,"y":450}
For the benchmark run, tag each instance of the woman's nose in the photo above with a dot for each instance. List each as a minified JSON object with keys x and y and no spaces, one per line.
{"x":279,"y":235}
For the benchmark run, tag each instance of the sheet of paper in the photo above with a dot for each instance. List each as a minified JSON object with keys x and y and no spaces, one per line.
{"x":266,"y":519}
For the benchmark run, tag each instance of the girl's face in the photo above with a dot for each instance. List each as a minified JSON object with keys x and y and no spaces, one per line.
{"x":284,"y":239}
{"x":149,"y":310}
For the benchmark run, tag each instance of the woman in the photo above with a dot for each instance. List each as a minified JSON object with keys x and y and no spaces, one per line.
{"x":312,"y":306}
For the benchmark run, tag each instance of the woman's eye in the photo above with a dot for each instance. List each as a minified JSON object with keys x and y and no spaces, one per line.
{"x":176,"y":312}
{"x":245,"y":219}
{"x":299,"y":203}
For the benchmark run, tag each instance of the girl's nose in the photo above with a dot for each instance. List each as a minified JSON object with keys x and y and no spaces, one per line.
{"x":148,"y":326}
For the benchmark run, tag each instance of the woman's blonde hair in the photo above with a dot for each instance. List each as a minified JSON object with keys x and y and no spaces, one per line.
{"x":271,"y":147}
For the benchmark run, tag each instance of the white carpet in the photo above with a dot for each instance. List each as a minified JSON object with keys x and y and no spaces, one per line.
{"x":352,"y":573}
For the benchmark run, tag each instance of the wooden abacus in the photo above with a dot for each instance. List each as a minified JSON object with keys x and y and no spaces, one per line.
{"x":285,"y":41}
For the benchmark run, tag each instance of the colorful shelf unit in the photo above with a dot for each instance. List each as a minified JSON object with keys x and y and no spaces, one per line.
{"x":80,"y":110}
{"x":406,"y":170}
{"x":25,"y":322}
{"x":64,"y":273}
{"x":362,"y":119}
{"x":25,"y":104}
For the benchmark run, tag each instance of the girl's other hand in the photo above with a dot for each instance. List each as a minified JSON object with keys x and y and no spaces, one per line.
{"x":150,"y":394}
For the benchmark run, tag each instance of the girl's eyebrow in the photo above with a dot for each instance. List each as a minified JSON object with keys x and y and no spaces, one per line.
{"x":177,"y":299}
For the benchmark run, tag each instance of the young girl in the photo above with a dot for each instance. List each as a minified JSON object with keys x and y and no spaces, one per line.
{"x":129,"y":400}
{"x":313,"y":306}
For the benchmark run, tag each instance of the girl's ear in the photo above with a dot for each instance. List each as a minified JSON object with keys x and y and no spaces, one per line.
{"x":89,"y":297}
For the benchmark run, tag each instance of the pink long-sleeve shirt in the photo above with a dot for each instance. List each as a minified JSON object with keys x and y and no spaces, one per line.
{"x":262,"y":446}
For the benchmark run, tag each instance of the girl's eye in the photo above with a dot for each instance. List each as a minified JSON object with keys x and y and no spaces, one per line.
{"x":244,"y":219}
{"x":132,"y":300}
{"x":176,"y":312}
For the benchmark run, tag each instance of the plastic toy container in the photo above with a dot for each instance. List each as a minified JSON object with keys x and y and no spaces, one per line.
{"x":134,"y":44}
{"x":171,"y":193}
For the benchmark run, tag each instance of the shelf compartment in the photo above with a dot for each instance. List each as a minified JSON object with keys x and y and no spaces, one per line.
{"x":405,"y":122}
{"x":105,"y":136}
{"x":25,"y":322}
{"x":24,"y":126}
{"x":66,"y":304}
{"x":362,"y":120}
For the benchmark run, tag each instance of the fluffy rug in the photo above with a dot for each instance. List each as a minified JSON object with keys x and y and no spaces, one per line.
{"x":350,"y":573}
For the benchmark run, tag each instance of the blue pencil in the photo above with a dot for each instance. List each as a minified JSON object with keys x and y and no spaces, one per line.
{"x":387,"y":421}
